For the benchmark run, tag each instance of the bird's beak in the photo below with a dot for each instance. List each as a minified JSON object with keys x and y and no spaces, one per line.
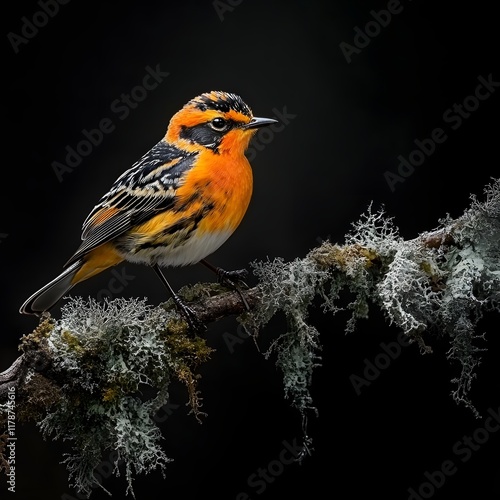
{"x":259,"y":122}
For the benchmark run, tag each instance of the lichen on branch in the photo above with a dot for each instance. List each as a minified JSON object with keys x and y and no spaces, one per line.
{"x":97,"y":376}
{"x":114,"y":361}
{"x":439,"y":283}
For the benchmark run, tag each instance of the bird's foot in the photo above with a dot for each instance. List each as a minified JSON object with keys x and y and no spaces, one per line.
{"x":235,"y":280}
{"x":232,"y":279}
{"x":195,"y":325}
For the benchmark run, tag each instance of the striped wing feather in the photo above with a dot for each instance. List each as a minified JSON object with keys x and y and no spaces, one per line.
{"x":148,"y":187}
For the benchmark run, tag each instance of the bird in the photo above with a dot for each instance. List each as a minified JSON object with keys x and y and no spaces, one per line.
{"x":173,"y":207}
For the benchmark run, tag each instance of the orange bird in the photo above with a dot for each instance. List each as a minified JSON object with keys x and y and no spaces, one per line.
{"x":175,"y":206}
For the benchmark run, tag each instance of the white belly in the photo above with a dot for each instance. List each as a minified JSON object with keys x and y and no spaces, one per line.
{"x":190,"y":252}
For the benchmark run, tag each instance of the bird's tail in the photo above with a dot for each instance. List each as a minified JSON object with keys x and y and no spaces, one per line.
{"x":50,"y":294}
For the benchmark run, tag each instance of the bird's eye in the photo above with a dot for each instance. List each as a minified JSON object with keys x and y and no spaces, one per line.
{"x":219,"y":124}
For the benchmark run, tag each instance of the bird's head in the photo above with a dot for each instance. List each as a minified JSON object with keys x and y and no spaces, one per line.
{"x":215,"y":120}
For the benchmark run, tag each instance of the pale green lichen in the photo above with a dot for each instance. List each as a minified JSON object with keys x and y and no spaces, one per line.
{"x":291,"y":288}
{"x":423,"y":286}
{"x":117,"y":366}
{"x":472,"y":272}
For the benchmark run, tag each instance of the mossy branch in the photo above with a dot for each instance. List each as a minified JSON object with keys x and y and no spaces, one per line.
{"x":83,"y":377}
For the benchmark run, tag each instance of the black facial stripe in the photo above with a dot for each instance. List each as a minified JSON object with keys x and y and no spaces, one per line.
{"x":202,"y":134}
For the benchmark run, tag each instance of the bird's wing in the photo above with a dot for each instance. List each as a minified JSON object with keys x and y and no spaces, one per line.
{"x":148,"y":187}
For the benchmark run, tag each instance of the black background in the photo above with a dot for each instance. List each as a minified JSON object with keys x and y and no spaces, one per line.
{"x":312,"y":180}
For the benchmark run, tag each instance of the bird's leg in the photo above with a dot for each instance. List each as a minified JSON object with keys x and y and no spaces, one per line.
{"x":232,"y":279}
{"x":195,"y":324}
